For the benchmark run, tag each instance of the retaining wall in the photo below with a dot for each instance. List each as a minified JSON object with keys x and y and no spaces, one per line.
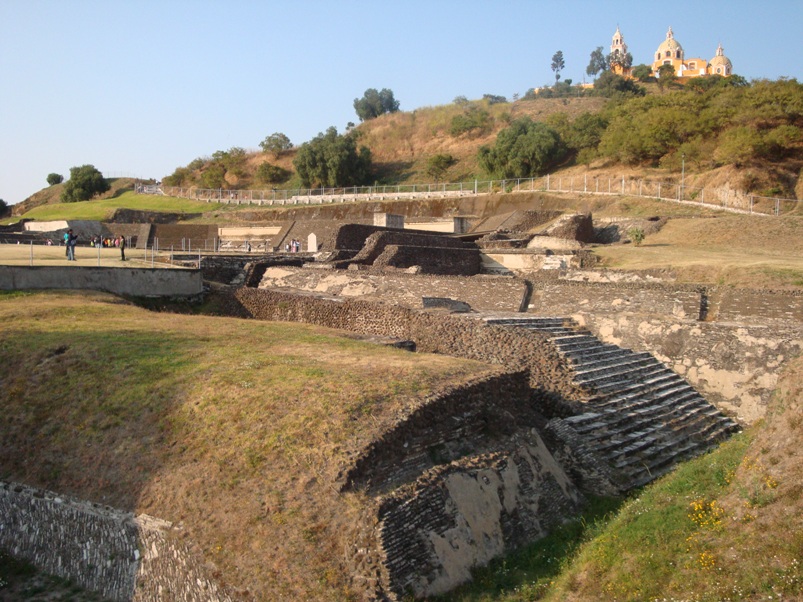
{"x":121,"y":281}
{"x":482,"y":293}
{"x":122,"y":557}
{"x":729,"y":344}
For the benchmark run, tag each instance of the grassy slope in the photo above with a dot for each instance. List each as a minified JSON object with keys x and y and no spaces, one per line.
{"x":103,"y":209}
{"x":234,"y":428}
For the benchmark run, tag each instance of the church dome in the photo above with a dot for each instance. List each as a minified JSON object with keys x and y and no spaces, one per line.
{"x":720,"y":64}
{"x":670,"y":48}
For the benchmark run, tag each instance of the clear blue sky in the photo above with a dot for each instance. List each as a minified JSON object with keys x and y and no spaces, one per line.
{"x":140,"y":87}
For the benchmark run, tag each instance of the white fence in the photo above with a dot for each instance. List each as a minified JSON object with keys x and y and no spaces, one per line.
{"x":720,"y":198}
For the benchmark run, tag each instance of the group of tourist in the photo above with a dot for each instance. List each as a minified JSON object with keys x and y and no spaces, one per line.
{"x":97,"y":241}
{"x":70,"y":240}
{"x":294,"y":246}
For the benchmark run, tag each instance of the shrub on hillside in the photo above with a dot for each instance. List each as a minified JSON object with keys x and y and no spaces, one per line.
{"x":438,"y":164}
{"x":525,"y":149}
{"x":272,"y":174}
{"x":85,"y":182}
{"x":332,"y":159}
{"x":54,"y":178}
{"x":474,"y":120}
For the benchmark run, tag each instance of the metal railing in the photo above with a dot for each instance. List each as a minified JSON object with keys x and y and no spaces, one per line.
{"x":717,"y":198}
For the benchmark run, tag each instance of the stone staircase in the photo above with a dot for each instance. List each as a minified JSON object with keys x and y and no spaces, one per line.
{"x":642,"y":417}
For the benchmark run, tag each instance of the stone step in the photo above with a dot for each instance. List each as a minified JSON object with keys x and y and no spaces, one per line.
{"x":676,"y":450}
{"x":588,"y":345}
{"x":580,"y":356}
{"x":615,"y":380}
{"x":669,"y":448}
{"x":643,"y":393}
{"x":628,"y":434}
{"x":575,"y":337}
{"x":621,"y":422}
{"x":531,"y":322}
{"x":608,"y":361}
{"x":584,"y":373}
{"x":645,"y":384}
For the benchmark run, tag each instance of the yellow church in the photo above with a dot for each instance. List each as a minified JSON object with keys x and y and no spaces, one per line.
{"x":670,"y":52}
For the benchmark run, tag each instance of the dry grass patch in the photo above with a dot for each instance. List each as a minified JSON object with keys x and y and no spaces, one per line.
{"x":730,"y":250}
{"x":236,"y":429}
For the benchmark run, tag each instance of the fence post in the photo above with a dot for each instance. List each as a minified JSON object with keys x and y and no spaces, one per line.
{"x":623,"y":185}
{"x":547,"y":182}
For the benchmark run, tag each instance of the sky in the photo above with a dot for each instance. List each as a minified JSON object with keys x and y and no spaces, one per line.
{"x":140,"y":87}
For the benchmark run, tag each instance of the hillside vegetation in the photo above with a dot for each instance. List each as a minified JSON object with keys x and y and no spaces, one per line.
{"x":756,"y":128}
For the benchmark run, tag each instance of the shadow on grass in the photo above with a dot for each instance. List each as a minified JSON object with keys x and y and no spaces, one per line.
{"x":530,"y":571}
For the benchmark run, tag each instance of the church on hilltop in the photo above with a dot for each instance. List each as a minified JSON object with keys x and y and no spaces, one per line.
{"x":670,"y":52}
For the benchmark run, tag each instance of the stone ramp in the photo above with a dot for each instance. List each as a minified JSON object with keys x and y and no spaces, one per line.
{"x":642,"y":417}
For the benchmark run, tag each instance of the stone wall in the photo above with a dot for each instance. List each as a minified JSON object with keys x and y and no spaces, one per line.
{"x":454,"y":423}
{"x":734,"y":366}
{"x":114,"y":553}
{"x":461,"y":515}
{"x":192,"y":236}
{"x":482,"y":293}
{"x":134,"y":281}
{"x":433,"y":260}
{"x":728,"y":343}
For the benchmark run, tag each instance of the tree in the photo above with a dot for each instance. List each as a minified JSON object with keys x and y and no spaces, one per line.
{"x":460,"y":101}
{"x":438,"y":164}
{"x":493,"y":99}
{"x":625,"y":61}
{"x":597,"y":64}
{"x":272,"y":174}
{"x":611,"y":85}
{"x":332,"y":159}
{"x":525,"y":149}
{"x":373,"y":104}
{"x":642,"y":72}
{"x":84,"y":183}
{"x":557,"y":64}
{"x":276,"y":144}
{"x":666,"y":76}
{"x":54,"y":178}
{"x":3,"y":207}
{"x":213,"y":176}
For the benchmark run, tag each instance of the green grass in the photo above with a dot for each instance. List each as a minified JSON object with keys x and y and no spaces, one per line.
{"x":103,"y":209}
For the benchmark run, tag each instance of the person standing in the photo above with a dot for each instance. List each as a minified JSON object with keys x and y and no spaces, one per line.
{"x":71,"y":240}
{"x":122,"y":248}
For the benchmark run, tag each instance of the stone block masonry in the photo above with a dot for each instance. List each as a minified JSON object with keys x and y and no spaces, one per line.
{"x":481,"y":293}
{"x":114,"y":553}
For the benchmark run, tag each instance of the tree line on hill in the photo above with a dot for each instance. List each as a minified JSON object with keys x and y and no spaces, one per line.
{"x":708,"y":122}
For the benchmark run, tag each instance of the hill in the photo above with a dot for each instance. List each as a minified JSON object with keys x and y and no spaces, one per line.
{"x":754,"y":129}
